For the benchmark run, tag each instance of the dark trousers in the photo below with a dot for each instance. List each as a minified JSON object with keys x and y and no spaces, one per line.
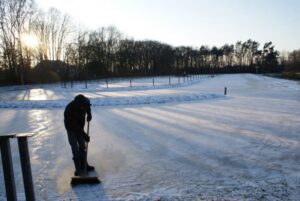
{"x":77,"y":144}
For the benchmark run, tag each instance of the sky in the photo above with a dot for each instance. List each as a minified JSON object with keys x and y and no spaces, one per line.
{"x":191,"y":22}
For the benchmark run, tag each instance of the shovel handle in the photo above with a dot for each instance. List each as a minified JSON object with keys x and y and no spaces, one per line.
{"x":86,"y":149}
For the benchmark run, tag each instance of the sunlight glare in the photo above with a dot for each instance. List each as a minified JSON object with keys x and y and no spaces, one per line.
{"x":30,"y":40}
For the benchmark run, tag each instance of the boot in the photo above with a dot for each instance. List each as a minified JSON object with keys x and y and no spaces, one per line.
{"x":89,"y":167}
{"x":78,"y":173}
{"x":78,"y":167}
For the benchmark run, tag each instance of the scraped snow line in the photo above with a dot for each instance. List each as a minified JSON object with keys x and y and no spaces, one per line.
{"x":116,"y":101}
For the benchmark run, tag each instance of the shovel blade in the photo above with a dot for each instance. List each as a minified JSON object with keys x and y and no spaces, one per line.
{"x":85,"y":180}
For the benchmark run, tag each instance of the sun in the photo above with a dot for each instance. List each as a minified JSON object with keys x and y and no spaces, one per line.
{"x":30,"y":40}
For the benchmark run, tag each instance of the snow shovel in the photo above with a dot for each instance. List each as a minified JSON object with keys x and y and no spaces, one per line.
{"x":85,"y":178}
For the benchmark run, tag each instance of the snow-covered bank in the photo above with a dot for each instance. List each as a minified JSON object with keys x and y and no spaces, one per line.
{"x":117,"y":101}
{"x":245,"y":146}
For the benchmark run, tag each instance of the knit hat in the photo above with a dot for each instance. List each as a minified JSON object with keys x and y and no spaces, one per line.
{"x":82,"y":100}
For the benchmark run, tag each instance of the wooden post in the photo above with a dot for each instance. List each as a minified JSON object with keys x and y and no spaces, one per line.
{"x":8,"y":171}
{"x":25,"y":165}
{"x":225,"y":91}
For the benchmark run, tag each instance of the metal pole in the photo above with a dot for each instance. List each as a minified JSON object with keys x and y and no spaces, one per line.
{"x":26,"y":168}
{"x":86,"y":149}
{"x":8,"y":169}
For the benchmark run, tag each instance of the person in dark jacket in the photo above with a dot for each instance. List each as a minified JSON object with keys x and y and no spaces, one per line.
{"x":74,"y":118}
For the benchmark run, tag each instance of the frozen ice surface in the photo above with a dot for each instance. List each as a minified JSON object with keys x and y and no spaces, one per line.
{"x":178,"y":142}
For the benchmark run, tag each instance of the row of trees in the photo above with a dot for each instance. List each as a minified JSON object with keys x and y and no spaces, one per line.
{"x":106,"y":52}
{"x":293,"y":62}
{"x":292,"y":65}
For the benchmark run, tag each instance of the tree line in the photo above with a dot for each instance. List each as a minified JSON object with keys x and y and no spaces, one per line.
{"x":292,"y":65}
{"x":64,"y":52}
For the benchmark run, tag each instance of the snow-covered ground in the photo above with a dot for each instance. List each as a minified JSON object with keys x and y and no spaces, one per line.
{"x":164,"y":142}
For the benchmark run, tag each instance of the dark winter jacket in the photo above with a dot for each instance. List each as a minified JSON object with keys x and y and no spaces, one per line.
{"x":74,"y":115}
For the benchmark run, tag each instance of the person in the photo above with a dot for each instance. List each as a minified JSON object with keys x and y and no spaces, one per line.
{"x":75,"y":114}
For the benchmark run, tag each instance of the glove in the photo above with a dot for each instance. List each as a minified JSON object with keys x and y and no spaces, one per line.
{"x":86,"y":137}
{"x":89,"y":117}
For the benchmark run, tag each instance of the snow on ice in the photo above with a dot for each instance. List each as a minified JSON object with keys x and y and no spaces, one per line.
{"x":164,"y":142}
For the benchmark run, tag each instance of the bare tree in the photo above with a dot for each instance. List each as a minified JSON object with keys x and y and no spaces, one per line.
{"x":53,"y":30}
{"x":14,"y":21}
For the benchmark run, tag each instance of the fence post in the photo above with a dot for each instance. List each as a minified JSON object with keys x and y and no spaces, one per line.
{"x":225,"y":91}
{"x":26,"y":167}
{"x":8,"y":170}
